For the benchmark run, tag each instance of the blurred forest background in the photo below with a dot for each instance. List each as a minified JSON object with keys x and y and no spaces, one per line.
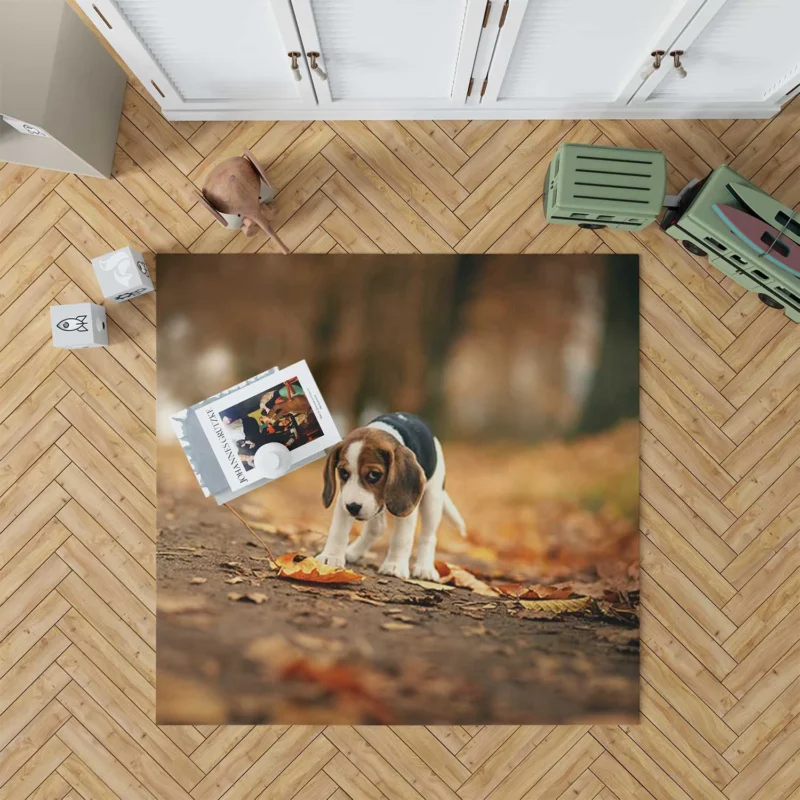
{"x":526,"y":367}
{"x":517,"y":348}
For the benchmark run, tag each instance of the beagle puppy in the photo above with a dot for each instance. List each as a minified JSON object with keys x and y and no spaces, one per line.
{"x":392,"y":467}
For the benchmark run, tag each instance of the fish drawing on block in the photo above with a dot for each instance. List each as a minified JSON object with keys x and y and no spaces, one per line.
{"x":77,"y":324}
{"x":761,"y":237}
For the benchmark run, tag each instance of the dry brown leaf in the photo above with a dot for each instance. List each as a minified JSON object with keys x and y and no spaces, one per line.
{"x":305,"y":568}
{"x":450,"y":573}
{"x":440,"y":587}
{"x":264,"y":527}
{"x":180,"y":604}
{"x":196,"y":581}
{"x":250,"y":597}
{"x":396,"y":626}
{"x":556,"y":606}
{"x":398,"y":615}
{"x":234,"y":579}
{"x":316,"y":642}
{"x":535,"y":592}
{"x":364,"y":599}
{"x":620,"y":636}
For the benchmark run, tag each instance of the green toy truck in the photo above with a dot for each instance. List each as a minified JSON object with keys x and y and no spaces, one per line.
{"x":702,"y":232}
{"x":605,"y":187}
{"x":614,"y":187}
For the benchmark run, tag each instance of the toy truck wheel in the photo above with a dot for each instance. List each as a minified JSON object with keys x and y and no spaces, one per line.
{"x":769,"y":301}
{"x":693,"y":248}
{"x":592,"y":226}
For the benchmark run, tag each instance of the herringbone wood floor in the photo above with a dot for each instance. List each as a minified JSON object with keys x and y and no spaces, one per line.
{"x":720,"y":378}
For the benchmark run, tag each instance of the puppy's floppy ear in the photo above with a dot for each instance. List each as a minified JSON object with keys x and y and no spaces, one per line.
{"x":329,"y":490}
{"x":404,"y":483}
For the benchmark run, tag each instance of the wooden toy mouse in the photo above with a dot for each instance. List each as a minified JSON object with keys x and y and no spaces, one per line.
{"x":234,"y":193}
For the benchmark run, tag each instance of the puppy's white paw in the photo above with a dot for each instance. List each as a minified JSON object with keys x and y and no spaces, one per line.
{"x":425,"y":572}
{"x":394,"y":568}
{"x":331,"y":559}
{"x":354,"y":554}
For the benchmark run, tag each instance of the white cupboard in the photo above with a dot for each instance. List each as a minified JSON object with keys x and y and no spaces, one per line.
{"x":743,"y":52}
{"x":399,"y":59}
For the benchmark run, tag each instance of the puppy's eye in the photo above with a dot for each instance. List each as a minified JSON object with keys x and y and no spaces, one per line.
{"x":373,"y":476}
{"x":343,"y":474}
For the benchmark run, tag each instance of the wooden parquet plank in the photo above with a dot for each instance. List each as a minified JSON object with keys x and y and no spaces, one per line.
{"x":209,"y":135}
{"x":159,"y":131}
{"x":664,"y":428}
{"x":434,"y":754}
{"x":347,"y":198}
{"x":29,"y":445}
{"x":680,"y":553}
{"x":777,"y":603}
{"x":670,"y":578}
{"x":236,"y":762}
{"x":720,"y":511}
{"x":426,"y":222}
{"x":12,"y":176}
{"x":109,"y":443}
{"x":91,"y":606}
{"x":106,"y":772}
{"x":31,"y":738}
{"x":419,"y":161}
{"x":437,"y":143}
{"x":350,"y":780}
{"x":661,"y":719}
{"x":30,"y":267}
{"x":285,"y":166}
{"x":686,"y":682}
{"x":125,"y":749}
{"x":54,"y":787}
{"x":152,"y":741}
{"x":567,"y":771}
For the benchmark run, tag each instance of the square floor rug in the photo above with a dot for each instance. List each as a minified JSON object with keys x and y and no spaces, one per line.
{"x":398,"y":489}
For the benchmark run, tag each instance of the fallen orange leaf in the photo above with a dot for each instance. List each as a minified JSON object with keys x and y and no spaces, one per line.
{"x":535,"y":592}
{"x":305,"y":568}
{"x":466,"y":580}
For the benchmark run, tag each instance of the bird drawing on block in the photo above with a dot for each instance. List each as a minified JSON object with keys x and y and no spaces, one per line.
{"x":233,"y":189}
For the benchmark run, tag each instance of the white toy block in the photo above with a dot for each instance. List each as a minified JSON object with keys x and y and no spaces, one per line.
{"x":78,"y":325}
{"x":122,"y":274}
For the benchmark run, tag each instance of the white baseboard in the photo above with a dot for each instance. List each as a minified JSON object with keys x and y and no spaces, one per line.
{"x":650,"y":111}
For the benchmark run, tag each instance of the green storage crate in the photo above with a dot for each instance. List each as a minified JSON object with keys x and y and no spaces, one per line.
{"x":702,"y":232}
{"x":605,"y":187}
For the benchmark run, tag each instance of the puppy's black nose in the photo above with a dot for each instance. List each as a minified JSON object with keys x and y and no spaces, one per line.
{"x":353,"y":508}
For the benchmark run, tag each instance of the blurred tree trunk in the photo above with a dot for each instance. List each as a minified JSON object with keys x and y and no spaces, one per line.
{"x":615,"y":390}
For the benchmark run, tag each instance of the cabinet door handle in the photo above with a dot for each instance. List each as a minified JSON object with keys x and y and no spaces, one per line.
{"x":656,"y":55}
{"x":294,"y":55}
{"x":321,"y":74}
{"x":676,"y":60}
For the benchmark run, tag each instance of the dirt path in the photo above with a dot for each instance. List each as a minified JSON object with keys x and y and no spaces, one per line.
{"x":381,"y":651}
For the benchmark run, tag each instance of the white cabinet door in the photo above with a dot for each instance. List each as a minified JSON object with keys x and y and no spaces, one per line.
{"x":381,"y":54}
{"x":208,"y":54}
{"x":578,"y":53}
{"x":734,"y":51}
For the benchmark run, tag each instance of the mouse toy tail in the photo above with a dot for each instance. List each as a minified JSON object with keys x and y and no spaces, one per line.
{"x":268,"y":229}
